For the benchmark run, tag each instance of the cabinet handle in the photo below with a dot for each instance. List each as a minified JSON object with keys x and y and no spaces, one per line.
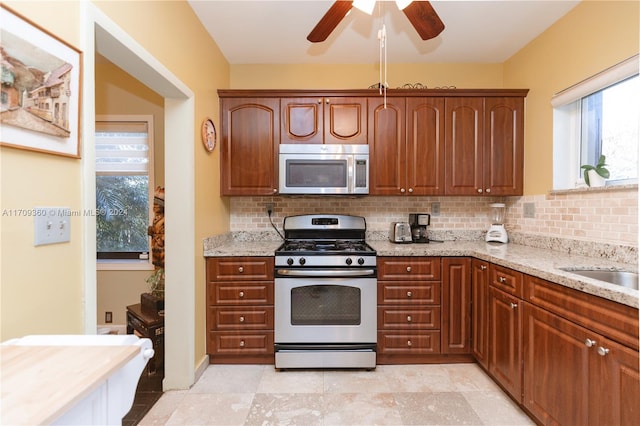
{"x":242,"y":343}
{"x":502,"y":279}
{"x":326,"y":101}
{"x":241,"y":319}
{"x":409,"y":294}
{"x":589,"y":343}
{"x":241,"y":294}
{"x":513,"y":305}
{"x":408,"y":318}
{"x":275,"y":190}
{"x":409,"y":343}
{"x":602,"y":351}
{"x":408,"y":268}
{"x":319,"y":101}
{"x":483,"y":268}
{"x":240,"y":269}
{"x":410,"y":190}
{"x":480,"y":190}
{"x":488,"y":190}
{"x":402,"y":190}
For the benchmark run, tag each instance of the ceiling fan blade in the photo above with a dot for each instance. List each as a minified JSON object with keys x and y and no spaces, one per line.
{"x":424,"y":19}
{"x":329,"y":21}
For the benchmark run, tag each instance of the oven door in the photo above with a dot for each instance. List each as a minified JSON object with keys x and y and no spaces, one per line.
{"x":325,"y":310}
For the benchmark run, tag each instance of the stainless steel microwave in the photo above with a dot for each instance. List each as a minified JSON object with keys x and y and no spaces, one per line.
{"x":318,"y":169}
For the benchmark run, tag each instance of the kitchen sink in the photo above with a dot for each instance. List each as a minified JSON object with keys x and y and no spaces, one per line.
{"x":621,"y":278}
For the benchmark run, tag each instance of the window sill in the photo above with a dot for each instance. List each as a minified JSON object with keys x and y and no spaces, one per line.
{"x":609,"y":188}
{"x":124,"y":265}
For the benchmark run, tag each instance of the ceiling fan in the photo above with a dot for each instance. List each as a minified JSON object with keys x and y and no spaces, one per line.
{"x":420,"y":13}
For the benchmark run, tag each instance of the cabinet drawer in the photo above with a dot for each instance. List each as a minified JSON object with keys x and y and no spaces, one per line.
{"x":614,"y":320}
{"x":423,"y":342}
{"x":398,"y":318}
{"x":408,"y":268}
{"x":243,"y":293}
{"x":260,"y":317}
{"x":506,"y":279}
{"x":239,"y":268}
{"x":234,"y":343}
{"x":414,"y":293}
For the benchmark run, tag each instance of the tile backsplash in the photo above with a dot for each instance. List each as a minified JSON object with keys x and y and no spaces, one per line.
{"x":574,"y":220}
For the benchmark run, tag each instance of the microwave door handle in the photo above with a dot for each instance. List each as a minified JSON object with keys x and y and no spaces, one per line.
{"x":351,"y":181}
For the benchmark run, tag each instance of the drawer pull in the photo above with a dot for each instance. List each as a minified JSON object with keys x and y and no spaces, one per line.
{"x":408,"y":268}
{"x":242,"y":343}
{"x":241,"y":319}
{"x":241,"y":294}
{"x":240,"y":269}
{"x":589,"y":343}
{"x":602,"y":351}
{"x":513,"y":305}
{"x":483,"y":267}
{"x":409,"y":343}
{"x":409,"y":294}
{"x":502,"y":279}
{"x":408,"y":318}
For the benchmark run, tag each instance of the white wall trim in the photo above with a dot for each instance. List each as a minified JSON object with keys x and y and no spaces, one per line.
{"x":116,"y":45}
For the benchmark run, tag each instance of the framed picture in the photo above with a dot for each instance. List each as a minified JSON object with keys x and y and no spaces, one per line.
{"x":41,"y":88}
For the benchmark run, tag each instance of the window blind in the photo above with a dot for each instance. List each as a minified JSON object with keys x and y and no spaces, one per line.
{"x":122,"y":147}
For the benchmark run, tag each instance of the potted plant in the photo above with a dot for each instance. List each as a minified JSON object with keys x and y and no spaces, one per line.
{"x":153,"y":301}
{"x":596,"y":175}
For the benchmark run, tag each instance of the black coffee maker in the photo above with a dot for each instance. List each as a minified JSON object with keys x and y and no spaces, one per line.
{"x":419,"y":223}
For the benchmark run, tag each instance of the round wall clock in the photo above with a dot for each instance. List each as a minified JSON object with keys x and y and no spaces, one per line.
{"x":209,"y":136}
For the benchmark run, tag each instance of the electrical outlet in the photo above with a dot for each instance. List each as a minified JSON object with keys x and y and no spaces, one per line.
{"x":529,"y":210}
{"x":435,"y":209}
{"x":108,"y":317}
{"x":269,"y":208}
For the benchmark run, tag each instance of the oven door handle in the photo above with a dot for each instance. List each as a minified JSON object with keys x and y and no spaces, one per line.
{"x":340,"y":273}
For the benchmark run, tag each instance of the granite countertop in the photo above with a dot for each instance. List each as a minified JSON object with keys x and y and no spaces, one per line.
{"x":538,"y":262}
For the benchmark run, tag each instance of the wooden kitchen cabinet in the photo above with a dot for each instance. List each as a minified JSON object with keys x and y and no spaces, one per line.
{"x":406,"y":146}
{"x":324,"y":119}
{"x":590,"y":377}
{"x":505,"y":329}
{"x":249,"y":138}
{"x":409,"y":309}
{"x":240,"y":313}
{"x":456,"y":305}
{"x":480,"y":311}
{"x":484,"y":143}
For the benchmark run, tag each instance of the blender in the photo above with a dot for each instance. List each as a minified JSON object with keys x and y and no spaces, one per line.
{"x":497,"y":232}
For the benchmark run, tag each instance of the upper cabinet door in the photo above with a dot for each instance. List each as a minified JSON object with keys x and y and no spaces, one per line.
{"x":504,"y":146}
{"x":464,"y":148}
{"x":302,"y":120}
{"x":249,"y":146}
{"x":425,"y":146}
{"x":387,"y":148}
{"x":345,"y":120}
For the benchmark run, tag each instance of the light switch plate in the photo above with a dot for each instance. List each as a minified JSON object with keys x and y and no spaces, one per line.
{"x":52,"y":225}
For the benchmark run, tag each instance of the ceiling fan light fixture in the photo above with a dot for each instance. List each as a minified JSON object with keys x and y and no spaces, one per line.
{"x":403,"y":3}
{"x":366,"y":6}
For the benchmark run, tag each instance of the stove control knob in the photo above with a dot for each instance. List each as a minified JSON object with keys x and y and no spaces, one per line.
{"x":302,"y":261}
{"x":290,"y":261}
{"x":349,"y":261}
{"x":360,"y":261}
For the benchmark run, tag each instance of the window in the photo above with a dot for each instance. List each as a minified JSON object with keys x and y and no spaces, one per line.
{"x":123,"y":186}
{"x":598,"y":116}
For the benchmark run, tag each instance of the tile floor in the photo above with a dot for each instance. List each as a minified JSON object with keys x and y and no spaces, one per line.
{"x":445,"y":394}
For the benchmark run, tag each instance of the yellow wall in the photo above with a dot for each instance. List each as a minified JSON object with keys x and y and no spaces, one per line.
{"x":590,"y":38}
{"x":42,"y":289}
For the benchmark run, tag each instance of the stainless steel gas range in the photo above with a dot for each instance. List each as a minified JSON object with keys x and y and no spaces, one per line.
{"x":325,"y":294}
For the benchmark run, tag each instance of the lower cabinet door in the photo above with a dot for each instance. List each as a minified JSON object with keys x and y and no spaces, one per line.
{"x":505,"y":341}
{"x":556,"y":362}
